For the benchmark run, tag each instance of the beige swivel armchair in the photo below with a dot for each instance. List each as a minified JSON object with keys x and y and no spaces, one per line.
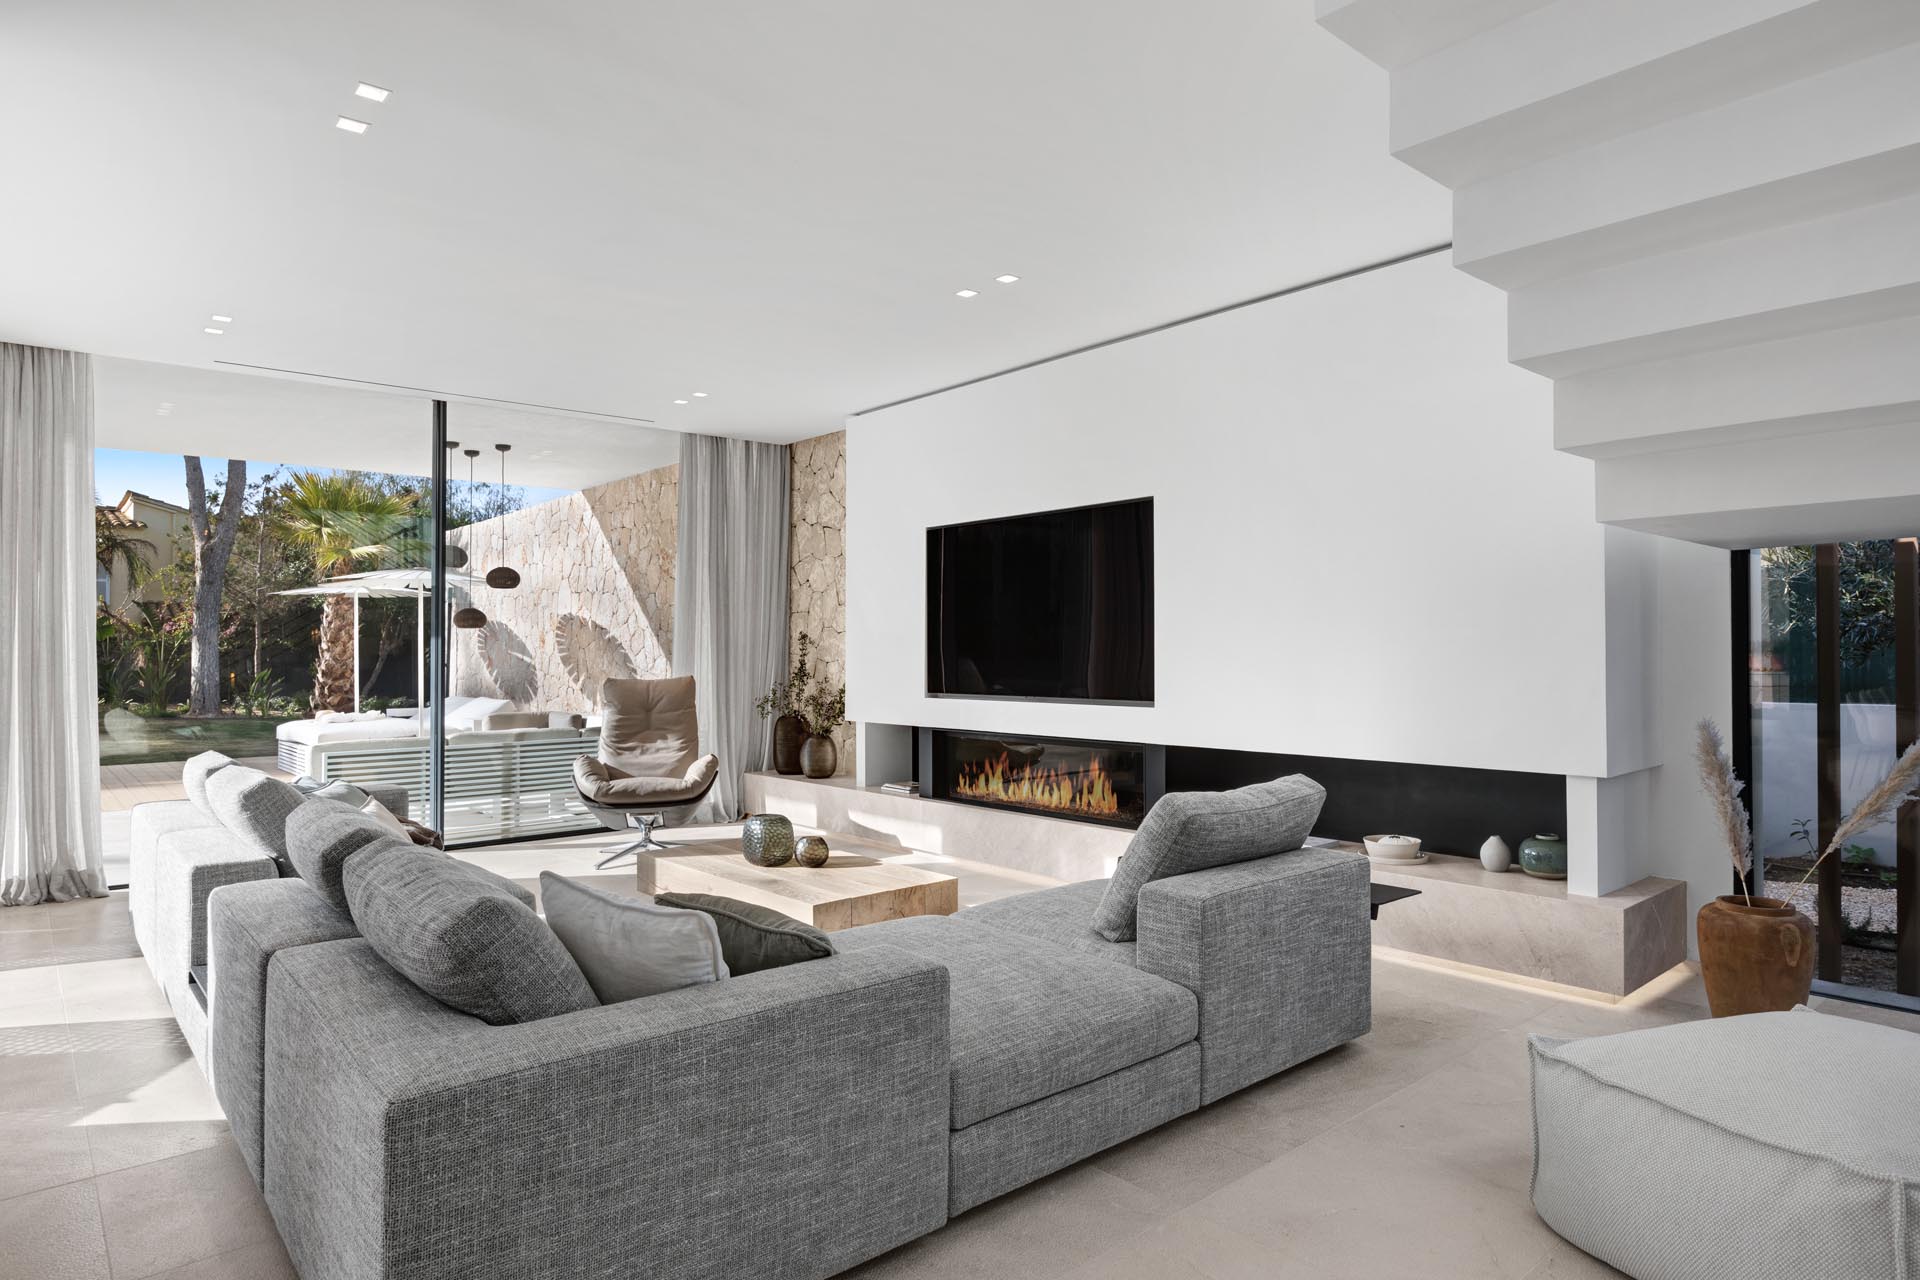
{"x":649,"y":772}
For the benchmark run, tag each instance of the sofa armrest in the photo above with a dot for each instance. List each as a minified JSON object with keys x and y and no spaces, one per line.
{"x":247,"y":925}
{"x":791,"y":1122}
{"x":188,"y":867}
{"x":1279,"y":952}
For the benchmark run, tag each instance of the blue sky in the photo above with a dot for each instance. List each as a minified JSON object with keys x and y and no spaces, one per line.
{"x":164,"y":475}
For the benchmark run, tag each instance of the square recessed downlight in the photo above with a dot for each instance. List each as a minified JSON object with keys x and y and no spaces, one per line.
{"x":371,"y":92}
{"x":966,"y":293}
{"x":350,"y":124}
{"x":211,"y":329}
{"x":1006,"y":279}
{"x":221,"y":319}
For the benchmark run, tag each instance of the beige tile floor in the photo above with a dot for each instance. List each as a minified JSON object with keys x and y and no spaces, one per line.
{"x":1405,"y":1154}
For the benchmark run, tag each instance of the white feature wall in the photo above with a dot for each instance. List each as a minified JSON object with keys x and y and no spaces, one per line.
{"x":1365,"y":543}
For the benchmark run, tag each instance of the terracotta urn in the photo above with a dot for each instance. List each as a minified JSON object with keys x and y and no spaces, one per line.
{"x":818,"y":756}
{"x":788,"y":733}
{"x":1754,"y":959}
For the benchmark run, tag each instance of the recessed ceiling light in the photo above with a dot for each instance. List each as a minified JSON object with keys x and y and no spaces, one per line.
{"x":966,"y":293}
{"x":371,"y":92}
{"x":221,"y":319}
{"x":1006,"y":279}
{"x":679,"y":401}
{"x":350,"y":124}
{"x":211,"y":329}
{"x":699,"y":395}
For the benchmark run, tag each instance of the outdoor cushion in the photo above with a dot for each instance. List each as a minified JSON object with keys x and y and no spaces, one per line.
{"x":754,"y":937}
{"x":1193,"y":830}
{"x":606,"y":784}
{"x":1756,"y":1146}
{"x":1063,"y":915}
{"x":253,"y":805}
{"x":322,"y":834}
{"x":467,"y":943}
{"x":193,"y":776}
{"x":1031,"y":1019}
{"x":630,"y":946}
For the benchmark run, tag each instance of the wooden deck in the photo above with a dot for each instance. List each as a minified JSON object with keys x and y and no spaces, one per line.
{"x":123,"y":786}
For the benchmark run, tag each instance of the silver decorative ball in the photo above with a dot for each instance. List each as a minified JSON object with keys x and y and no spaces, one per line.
{"x":811,"y":852}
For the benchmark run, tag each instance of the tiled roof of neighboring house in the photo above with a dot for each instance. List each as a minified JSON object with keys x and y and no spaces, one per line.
{"x":120,"y":519}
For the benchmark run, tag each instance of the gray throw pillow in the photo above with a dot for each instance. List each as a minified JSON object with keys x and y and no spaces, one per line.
{"x":254,"y":806}
{"x":467,"y":943}
{"x":631,"y":947}
{"x":753,"y":937}
{"x":193,"y":776}
{"x":1194,"y":830}
{"x":322,"y":834}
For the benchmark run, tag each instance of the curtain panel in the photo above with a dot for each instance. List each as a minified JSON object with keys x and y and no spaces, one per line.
{"x":730,"y":599}
{"x":49,"y":733}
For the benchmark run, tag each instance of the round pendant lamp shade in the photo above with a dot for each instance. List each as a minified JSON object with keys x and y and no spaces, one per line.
{"x":469,"y":618}
{"x":502,"y":577}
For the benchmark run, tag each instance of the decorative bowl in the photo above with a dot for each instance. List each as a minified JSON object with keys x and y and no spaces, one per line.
{"x":1394,"y":848}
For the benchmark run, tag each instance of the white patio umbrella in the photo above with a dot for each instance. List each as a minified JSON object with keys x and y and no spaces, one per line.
{"x":387,"y":584}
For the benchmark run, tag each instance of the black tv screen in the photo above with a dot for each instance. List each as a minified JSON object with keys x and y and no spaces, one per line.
{"x":1057,"y":605}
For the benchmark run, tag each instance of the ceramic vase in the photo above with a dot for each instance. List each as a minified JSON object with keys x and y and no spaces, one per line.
{"x":1756,"y":956}
{"x":1495,"y":855}
{"x":766,"y":840}
{"x":1544,"y":856}
{"x":788,"y":733}
{"x":818,"y":756}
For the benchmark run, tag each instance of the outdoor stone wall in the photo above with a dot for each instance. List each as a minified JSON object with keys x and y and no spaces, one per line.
{"x":595,"y":598}
{"x":817,"y":585}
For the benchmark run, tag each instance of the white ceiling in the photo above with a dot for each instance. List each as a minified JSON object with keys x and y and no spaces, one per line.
{"x":175,"y":409}
{"x":604,"y":206}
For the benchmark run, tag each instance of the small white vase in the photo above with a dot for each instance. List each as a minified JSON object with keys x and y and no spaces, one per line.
{"x":1495,"y":856}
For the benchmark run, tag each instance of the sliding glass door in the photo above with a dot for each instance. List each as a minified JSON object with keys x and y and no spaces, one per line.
{"x":1833,"y":689}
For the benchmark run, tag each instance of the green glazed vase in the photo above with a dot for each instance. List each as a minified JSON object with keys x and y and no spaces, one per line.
{"x":1544,"y":856}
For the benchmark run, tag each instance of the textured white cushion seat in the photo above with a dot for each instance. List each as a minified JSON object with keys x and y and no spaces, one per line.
{"x":311,"y":732}
{"x":1771,"y":1145}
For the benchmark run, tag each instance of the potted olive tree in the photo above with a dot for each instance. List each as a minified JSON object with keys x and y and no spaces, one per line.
{"x":822,"y":711}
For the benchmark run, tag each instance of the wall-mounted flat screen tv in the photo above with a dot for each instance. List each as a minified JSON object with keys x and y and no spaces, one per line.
{"x":1056,"y":605}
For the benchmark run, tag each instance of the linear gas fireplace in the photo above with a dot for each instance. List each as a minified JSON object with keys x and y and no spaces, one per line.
{"x":1108,"y":782}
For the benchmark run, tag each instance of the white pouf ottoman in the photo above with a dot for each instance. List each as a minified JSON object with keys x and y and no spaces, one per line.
{"x":1773,"y":1145}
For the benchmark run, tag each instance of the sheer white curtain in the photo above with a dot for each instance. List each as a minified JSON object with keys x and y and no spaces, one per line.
{"x":730,"y":599}
{"x":49,"y":738}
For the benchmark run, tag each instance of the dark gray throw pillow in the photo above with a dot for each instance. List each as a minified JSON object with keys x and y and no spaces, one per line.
{"x":1193,"y":830}
{"x":753,"y":937}
{"x":469,"y":944}
{"x":322,"y":834}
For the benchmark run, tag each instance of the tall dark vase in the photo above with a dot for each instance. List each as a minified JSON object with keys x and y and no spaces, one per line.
{"x":788,"y":734}
{"x":818,"y":756}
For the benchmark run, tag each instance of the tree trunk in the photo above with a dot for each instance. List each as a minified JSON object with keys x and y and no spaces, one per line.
{"x":259,"y":576}
{"x":333,"y":674}
{"x":212,"y":546}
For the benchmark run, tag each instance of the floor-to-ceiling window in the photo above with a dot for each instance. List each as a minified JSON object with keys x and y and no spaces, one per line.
{"x":1833,"y":689}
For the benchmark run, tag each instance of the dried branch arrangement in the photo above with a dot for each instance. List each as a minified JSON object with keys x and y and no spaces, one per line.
{"x":1723,"y":788}
{"x":1882,"y":804}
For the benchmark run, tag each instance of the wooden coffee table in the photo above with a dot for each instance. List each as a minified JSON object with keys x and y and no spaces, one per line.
{"x":855,"y":886}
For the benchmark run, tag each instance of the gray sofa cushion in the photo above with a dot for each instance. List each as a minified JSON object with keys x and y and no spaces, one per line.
{"x":1650,"y":1153}
{"x":1194,"y":830}
{"x":467,"y":943}
{"x":631,"y":947}
{"x":193,"y":776}
{"x":252,"y":805}
{"x":753,"y":937}
{"x":322,"y":834}
{"x":1062,"y":915}
{"x":1031,"y":1019}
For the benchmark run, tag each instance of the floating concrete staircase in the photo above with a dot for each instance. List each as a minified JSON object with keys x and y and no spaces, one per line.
{"x":1706,"y":215}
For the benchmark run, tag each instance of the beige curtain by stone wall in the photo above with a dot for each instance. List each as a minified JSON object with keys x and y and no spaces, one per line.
{"x":49,"y":737}
{"x":730,"y":599}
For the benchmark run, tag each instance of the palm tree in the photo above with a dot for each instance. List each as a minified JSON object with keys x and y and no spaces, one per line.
{"x":114,"y":541}
{"x":349,"y":524}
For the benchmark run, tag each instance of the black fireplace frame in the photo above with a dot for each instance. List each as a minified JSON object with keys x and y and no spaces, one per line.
{"x":1153,"y":771}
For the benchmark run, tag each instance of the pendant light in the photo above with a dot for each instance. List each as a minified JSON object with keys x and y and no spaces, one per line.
{"x":456,"y":555}
{"x":502,"y":578}
{"x":469,"y":618}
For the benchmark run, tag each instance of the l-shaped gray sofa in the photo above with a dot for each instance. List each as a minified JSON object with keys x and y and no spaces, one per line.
{"x":792,"y":1122}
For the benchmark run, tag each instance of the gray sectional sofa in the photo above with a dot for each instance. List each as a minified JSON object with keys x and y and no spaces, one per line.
{"x":791,"y":1122}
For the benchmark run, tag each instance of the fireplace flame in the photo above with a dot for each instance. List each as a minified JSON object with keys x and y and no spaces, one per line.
{"x":1087,"y":792}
